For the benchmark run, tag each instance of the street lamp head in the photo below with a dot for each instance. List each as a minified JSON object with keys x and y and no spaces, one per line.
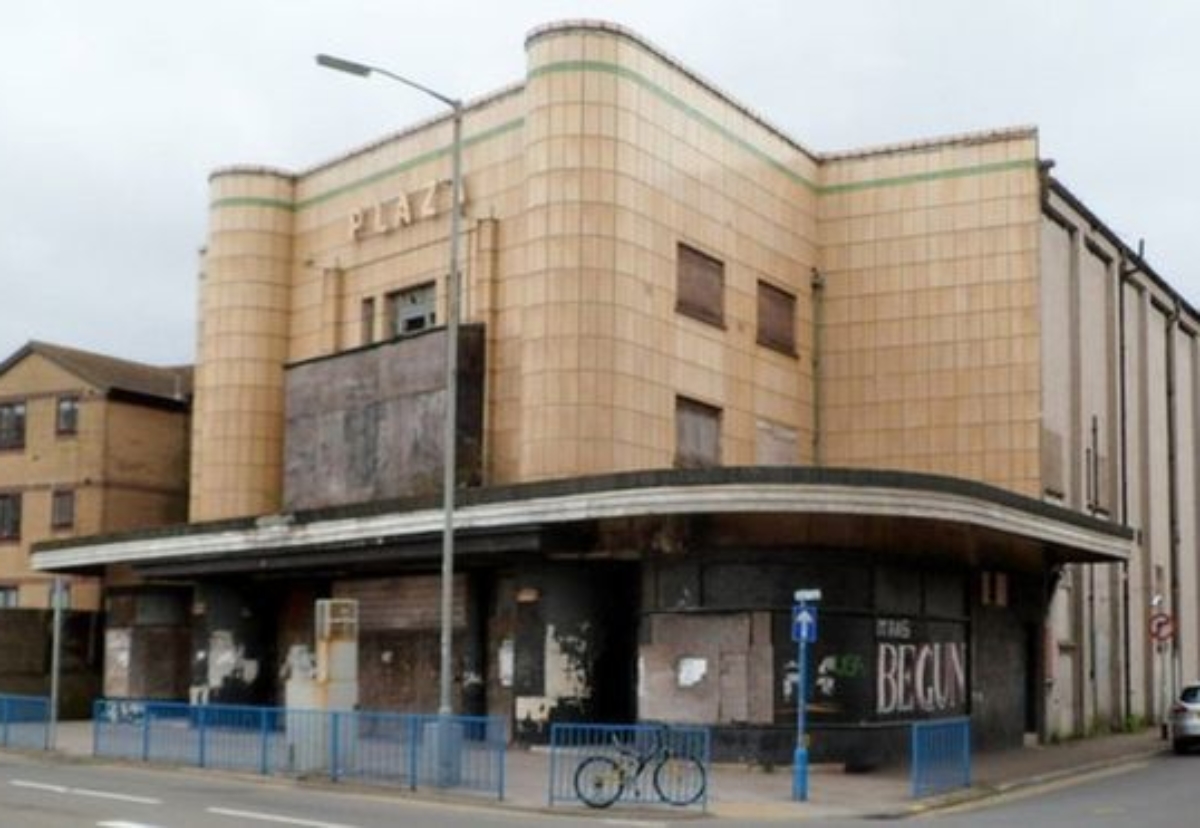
{"x":342,"y":65}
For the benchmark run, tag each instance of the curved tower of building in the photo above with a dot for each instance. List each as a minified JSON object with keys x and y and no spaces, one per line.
{"x":242,"y":345}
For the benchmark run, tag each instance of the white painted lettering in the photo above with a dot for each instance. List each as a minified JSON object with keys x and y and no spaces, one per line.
{"x":403,"y":211}
{"x":886,"y":684}
{"x":358,"y":224}
{"x":429,"y":200}
{"x":930,"y":677}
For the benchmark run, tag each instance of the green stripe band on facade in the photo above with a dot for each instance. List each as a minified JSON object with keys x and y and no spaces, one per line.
{"x":671,"y":100}
{"x":373,"y":178}
{"x":935,"y":175}
{"x":675,"y":102}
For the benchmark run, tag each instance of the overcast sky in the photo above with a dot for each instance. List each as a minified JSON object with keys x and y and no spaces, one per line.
{"x":113,"y":113}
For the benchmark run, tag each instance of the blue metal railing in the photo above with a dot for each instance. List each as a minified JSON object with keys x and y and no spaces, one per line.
{"x":941,"y":756}
{"x":410,"y":750}
{"x":600,"y":765}
{"x":25,"y":722}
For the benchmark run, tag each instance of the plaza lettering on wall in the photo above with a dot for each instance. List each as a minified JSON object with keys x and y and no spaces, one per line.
{"x":401,"y":210}
{"x":916,"y":674}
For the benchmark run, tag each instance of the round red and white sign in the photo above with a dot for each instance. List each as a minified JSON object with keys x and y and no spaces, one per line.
{"x":1162,"y":626}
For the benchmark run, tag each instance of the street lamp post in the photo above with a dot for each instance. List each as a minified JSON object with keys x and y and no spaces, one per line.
{"x":449,"y":448}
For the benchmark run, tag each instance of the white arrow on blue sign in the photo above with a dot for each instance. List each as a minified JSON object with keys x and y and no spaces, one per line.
{"x":804,"y":623}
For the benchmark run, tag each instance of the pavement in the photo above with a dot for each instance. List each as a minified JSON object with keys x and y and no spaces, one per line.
{"x":745,"y":793}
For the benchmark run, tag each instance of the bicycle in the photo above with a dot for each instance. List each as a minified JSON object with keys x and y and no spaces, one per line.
{"x":678,"y":778}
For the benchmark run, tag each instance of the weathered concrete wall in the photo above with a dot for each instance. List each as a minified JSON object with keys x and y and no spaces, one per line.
{"x":561,"y":645}
{"x":368,"y":424}
{"x":399,"y":642}
{"x":146,"y":644}
{"x":898,"y":641}
{"x":232,"y":653}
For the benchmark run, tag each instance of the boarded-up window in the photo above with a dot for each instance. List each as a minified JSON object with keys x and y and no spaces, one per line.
{"x":1053,"y":482}
{"x":776,"y":445}
{"x":776,"y":318}
{"x":697,"y":434}
{"x":700,"y":286}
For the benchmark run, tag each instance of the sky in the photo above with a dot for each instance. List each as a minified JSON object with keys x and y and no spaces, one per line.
{"x":113,"y":114}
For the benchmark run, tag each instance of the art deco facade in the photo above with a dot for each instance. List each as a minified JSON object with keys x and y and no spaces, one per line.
{"x":704,"y":366}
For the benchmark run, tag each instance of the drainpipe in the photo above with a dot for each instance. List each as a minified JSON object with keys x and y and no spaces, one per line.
{"x":817,"y":283}
{"x":1123,"y":436}
{"x":1173,"y":487}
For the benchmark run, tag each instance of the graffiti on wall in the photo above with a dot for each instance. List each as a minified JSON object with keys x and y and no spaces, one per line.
{"x":917,"y":674}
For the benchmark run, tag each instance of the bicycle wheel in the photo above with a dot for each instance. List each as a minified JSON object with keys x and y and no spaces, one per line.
{"x":599,"y":781}
{"x":679,"y":780}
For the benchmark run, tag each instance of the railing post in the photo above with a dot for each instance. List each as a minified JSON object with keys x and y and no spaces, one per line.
{"x":97,"y":712}
{"x":413,"y":726}
{"x":501,"y":751}
{"x":555,"y":735}
{"x":262,"y":729}
{"x":333,"y":746}
{"x":146,"y":732}
{"x":201,"y":716}
{"x":4,"y":715}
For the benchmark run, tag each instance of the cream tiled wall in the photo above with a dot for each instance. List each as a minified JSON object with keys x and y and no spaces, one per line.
{"x":629,"y":155}
{"x":243,"y":340}
{"x":579,"y":185}
{"x":929,"y":347}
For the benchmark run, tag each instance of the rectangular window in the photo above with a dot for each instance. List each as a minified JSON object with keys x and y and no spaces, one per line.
{"x":776,"y":318}
{"x":12,"y":425}
{"x":411,"y":310}
{"x":66,"y":416}
{"x":994,"y":589}
{"x":775,"y":444}
{"x":10,"y":517}
{"x":700,"y":286}
{"x":697,"y":434}
{"x":62,"y":509}
{"x":367,"y":320}
{"x":9,"y":597}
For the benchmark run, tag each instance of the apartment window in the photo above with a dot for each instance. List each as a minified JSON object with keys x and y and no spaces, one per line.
{"x":9,"y":597}
{"x":66,"y":416}
{"x":700,"y":286}
{"x":776,"y":318}
{"x":10,"y":517}
{"x":411,"y":310}
{"x":12,"y":425}
{"x":697,"y":434}
{"x":367,"y":320}
{"x":62,"y":509}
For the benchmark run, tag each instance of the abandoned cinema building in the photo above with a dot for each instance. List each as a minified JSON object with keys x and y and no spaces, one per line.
{"x":700,"y":366}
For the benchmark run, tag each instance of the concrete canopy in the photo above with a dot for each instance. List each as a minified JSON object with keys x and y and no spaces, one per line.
{"x":960,"y":520}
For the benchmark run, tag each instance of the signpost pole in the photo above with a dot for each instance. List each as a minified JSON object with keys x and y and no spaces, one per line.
{"x":804,"y":632}
{"x":800,"y":759}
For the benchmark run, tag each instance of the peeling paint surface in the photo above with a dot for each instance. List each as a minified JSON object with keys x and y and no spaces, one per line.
{"x":567,"y":664}
{"x":690,"y":671}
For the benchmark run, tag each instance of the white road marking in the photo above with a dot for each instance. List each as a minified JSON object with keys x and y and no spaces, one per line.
{"x":118,"y":797}
{"x":635,"y":823}
{"x":120,"y":824}
{"x":285,"y":820}
{"x":37,"y":786}
{"x":64,"y":790}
